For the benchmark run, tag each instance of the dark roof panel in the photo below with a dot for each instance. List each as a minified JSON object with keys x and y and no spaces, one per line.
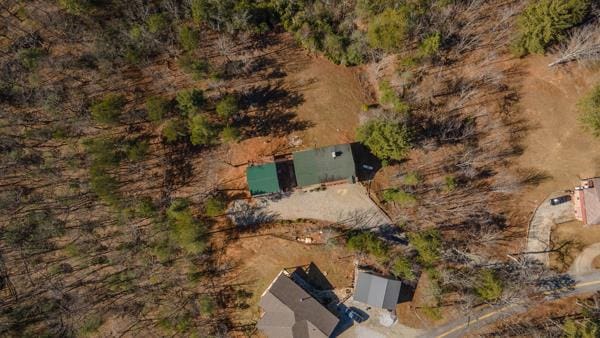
{"x":316,"y":166}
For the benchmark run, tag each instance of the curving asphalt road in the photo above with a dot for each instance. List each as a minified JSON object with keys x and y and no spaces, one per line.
{"x":586,"y":283}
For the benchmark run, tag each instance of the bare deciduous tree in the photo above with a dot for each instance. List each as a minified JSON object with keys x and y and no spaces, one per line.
{"x":583,"y":45}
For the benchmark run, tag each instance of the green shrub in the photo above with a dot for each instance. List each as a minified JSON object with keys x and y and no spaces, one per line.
{"x":172,"y":130}
{"x":369,"y":243}
{"x":411,"y":179}
{"x":164,"y":251}
{"x":389,"y":97}
{"x":428,"y":244}
{"x":389,"y":29}
{"x":109,"y":109}
{"x":202,"y":132}
{"x":90,"y":326}
{"x":587,"y":328}
{"x":590,"y":109}
{"x":30,"y":57}
{"x":200,"y":10}
{"x":157,"y":108}
{"x":227,"y":107}
{"x":79,"y":6}
{"x":207,"y":305}
{"x":450,"y":183}
{"x":136,"y":32}
{"x":105,"y":186}
{"x":199,"y":69}
{"x":488,"y":287}
{"x":137,"y":150}
{"x":430,"y":45}
{"x":432,"y":312}
{"x":145,"y":208}
{"x":401,"y":197}
{"x":188,"y":38}
{"x":72,"y":250}
{"x":215,"y":206}
{"x":189,"y":101}
{"x":103,"y":151}
{"x":230,"y":134}
{"x":185,"y":230}
{"x":157,"y":23}
{"x":402,"y":268}
{"x":544,"y":22}
{"x":386,"y":139}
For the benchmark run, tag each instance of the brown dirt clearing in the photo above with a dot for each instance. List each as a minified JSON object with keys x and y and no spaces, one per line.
{"x":556,"y":143}
{"x":579,"y":235}
{"x":261,"y":257}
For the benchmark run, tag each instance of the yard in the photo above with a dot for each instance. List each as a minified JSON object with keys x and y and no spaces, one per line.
{"x":259,"y":257}
{"x":556,"y":143}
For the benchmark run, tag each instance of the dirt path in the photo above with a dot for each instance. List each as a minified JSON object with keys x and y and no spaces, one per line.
{"x":556,"y":143}
{"x":546,"y":216}
{"x":584,"y":261}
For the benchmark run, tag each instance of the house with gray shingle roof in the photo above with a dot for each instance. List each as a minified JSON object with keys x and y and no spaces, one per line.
{"x":376,"y":290}
{"x":288,"y":311}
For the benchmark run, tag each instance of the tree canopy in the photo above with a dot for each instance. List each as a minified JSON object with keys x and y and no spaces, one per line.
{"x":389,"y":29}
{"x":189,"y":101}
{"x":109,"y":109}
{"x":387,"y":140}
{"x":227,"y":107}
{"x":544,"y":22}
{"x":488,"y":286}
{"x":157,"y":108}
{"x":202,"y":132}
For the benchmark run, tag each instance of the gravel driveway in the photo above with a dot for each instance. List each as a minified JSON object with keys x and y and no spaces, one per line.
{"x":345,"y":203}
{"x":545,"y":216}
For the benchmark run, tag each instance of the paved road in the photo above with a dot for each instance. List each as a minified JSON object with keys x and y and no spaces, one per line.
{"x":544,"y":217}
{"x":584,"y":284}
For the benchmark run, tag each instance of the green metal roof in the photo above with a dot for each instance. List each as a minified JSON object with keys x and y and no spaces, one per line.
{"x":262,"y":179}
{"x":316,"y":166}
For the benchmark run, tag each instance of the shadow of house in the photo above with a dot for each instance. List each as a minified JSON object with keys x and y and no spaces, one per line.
{"x":313,"y":275}
{"x":367,"y":164}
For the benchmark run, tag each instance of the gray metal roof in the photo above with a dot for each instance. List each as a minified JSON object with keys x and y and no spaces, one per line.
{"x":289,"y":311}
{"x":376,"y":290}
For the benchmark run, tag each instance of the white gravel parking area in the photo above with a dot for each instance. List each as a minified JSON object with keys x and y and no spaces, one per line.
{"x":345,"y":203}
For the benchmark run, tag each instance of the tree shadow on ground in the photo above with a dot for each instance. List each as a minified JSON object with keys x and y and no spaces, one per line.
{"x":272,"y":115}
{"x":248,"y":217}
{"x":441,"y":131}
